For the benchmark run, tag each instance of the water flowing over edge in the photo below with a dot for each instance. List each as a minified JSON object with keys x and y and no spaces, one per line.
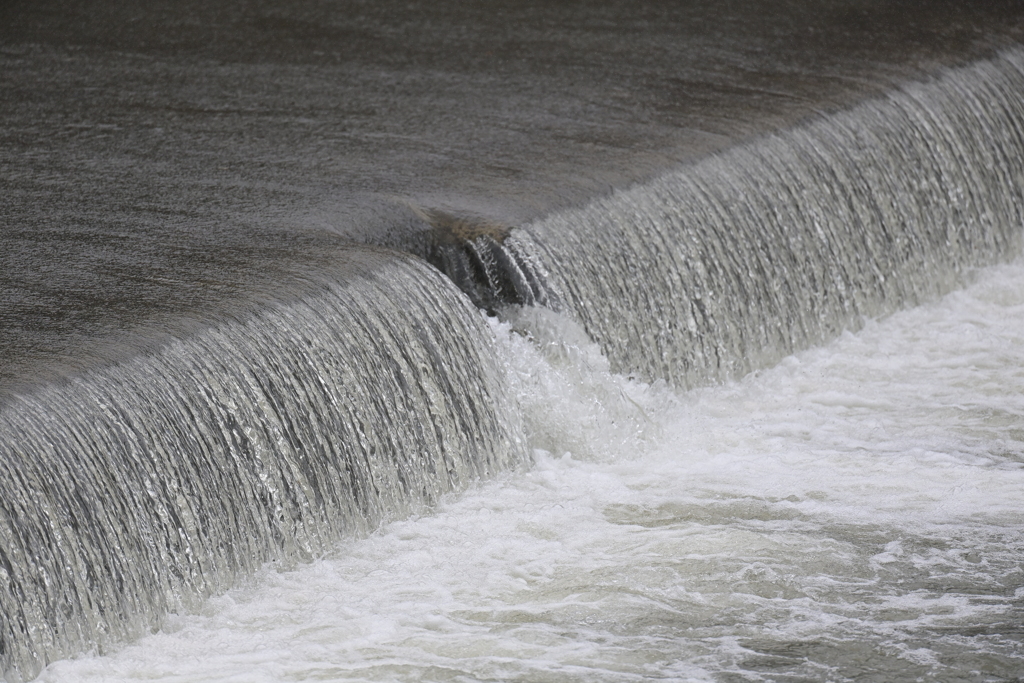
{"x":733,"y":263}
{"x":142,"y":488}
{"x":145,"y":487}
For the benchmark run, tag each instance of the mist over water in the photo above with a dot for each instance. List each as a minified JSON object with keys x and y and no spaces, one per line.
{"x":851,"y":514}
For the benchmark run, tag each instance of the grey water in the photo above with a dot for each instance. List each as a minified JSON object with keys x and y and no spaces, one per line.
{"x":244,"y":249}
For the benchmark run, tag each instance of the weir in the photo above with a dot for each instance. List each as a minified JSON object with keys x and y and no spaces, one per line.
{"x":143,"y":487}
{"x":734,"y":262}
{"x":138,"y":479}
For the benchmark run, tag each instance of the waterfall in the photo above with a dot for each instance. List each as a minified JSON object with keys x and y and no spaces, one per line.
{"x":143,"y":487}
{"x":732,"y":263}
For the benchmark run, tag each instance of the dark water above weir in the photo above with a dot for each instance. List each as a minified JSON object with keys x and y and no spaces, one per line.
{"x":228,"y":339}
{"x":220,"y":139}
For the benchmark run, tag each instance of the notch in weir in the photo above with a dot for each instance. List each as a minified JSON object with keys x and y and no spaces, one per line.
{"x":493,"y":263}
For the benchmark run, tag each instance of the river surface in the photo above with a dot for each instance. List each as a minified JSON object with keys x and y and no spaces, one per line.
{"x":157,"y":159}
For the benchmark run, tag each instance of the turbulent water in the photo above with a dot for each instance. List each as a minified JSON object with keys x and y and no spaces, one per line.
{"x":851,"y":514}
{"x":274,"y":372}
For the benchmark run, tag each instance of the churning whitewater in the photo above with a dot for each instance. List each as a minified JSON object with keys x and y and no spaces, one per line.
{"x":851,"y":514}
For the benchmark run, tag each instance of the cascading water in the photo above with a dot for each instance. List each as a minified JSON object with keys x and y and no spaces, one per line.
{"x":732,"y":263}
{"x":145,"y":487}
{"x":142,"y":487}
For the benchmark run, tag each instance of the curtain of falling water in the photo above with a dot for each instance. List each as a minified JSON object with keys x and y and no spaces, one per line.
{"x":734,"y":262}
{"x":144,"y":487}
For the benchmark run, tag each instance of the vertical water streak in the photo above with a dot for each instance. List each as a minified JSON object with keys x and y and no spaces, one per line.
{"x":493,"y":264}
{"x":141,"y":488}
{"x":738,"y":260}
